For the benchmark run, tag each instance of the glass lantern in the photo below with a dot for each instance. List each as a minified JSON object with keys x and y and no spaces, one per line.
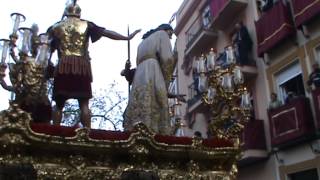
{"x":201,"y":65}
{"x":231,"y":59}
{"x":226,"y":83}
{"x":202,"y":82}
{"x":211,"y":56}
{"x":245,"y":100}
{"x":211,"y":94}
{"x":4,"y":47}
{"x":17,"y":19}
{"x":238,"y":76}
{"x":43,"y":52}
{"x":25,"y":40}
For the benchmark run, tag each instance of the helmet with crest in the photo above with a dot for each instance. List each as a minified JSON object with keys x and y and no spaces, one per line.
{"x":72,"y":9}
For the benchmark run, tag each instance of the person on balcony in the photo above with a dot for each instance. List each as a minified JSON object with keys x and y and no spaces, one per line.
{"x":72,"y":76}
{"x":264,"y":5}
{"x":291,"y":95}
{"x":148,"y":99}
{"x":242,"y":43}
{"x":314,"y":77}
{"x":274,"y":102}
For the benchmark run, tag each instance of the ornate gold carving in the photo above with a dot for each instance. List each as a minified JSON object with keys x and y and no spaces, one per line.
{"x":82,"y":134}
{"x":81,"y":157}
{"x":29,"y":82}
{"x":14,"y":116}
{"x":227,"y":116}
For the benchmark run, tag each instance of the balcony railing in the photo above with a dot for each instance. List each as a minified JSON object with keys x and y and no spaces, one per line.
{"x":273,"y":27}
{"x":225,"y":11}
{"x":254,"y":136}
{"x":304,"y":10}
{"x":199,"y":37}
{"x":254,"y":142}
{"x":195,"y":97}
{"x":291,"y":123}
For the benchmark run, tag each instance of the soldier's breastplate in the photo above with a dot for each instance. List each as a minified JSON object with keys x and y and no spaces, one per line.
{"x":72,"y":34}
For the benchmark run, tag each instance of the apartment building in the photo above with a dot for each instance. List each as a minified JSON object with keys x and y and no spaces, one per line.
{"x":280,"y":144}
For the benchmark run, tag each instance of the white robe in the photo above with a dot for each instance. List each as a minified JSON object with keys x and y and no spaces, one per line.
{"x":148,"y":99}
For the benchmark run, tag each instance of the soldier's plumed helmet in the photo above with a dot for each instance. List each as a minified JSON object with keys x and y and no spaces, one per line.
{"x":72,"y":10}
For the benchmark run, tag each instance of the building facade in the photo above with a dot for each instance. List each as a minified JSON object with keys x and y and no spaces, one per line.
{"x":281,"y":143}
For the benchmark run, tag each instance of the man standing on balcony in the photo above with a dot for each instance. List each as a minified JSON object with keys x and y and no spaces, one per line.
{"x":243,"y":43}
{"x":148,"y":99}
{"x":72,"y":76}
{"x":314,"y":77}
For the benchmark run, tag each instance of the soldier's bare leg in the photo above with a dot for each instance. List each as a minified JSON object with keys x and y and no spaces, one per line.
{"x":85,"y":113}
{"x":57,"y":111}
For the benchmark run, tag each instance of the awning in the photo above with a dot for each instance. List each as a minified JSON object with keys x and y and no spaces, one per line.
{"x":304,"y":10}
{"x":273,"y":27}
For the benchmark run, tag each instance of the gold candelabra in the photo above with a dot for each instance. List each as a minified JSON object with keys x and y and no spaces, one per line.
{"x":221,"y":84}
{"x":30,"y":53}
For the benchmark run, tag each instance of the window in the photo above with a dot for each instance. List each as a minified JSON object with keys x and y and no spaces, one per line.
{"x":290,"y":80}
{"x":310,"y":174}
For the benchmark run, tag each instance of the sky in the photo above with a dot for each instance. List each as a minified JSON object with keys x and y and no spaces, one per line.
{"x":108,"y":56}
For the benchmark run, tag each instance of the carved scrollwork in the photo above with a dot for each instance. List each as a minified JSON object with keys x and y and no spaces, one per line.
{"x":14,"y":116}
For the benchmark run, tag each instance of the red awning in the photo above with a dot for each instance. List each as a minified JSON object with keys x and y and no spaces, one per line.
{"x":273,"y":26}
{"x":304,"y":10}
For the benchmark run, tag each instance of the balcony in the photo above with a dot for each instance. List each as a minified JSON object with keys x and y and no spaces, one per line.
{"x":254,"y":140}
{"x":273,"y":27}
{"x":291,"y":123}
{"x":305,"y":10}
{"x":199,"y":37}
{"x":316,"y":103}
{"x":225,"y":12}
